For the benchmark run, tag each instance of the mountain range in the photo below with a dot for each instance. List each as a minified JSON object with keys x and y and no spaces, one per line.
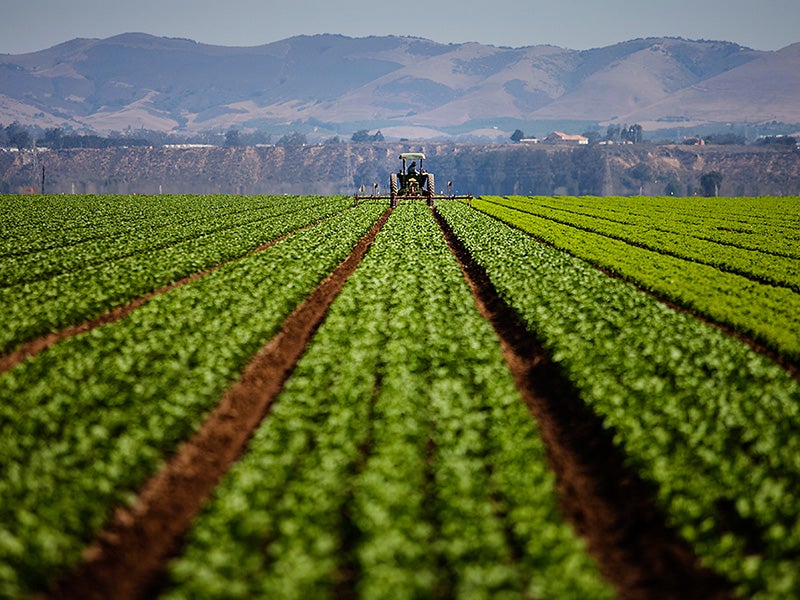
{"x":406,"y":87}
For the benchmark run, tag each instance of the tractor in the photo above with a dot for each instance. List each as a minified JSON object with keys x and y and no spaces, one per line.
{"x":408,"y":182}
{"x":411,"y":183}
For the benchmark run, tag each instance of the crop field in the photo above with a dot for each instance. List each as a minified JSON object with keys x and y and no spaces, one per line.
{"x":299,"y":397}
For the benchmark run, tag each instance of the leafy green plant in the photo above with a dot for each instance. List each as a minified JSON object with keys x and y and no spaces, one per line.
{"x":87,"y":421}
{"x":399,"y":460}
{"x":709,"y":422}
{"x":78,"y":268}
{"x":762,"y":311}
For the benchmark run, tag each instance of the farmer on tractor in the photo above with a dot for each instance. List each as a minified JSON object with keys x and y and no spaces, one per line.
{"x":408,"y":183}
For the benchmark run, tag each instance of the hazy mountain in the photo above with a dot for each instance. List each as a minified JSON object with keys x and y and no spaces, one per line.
{"x":398,"y":84}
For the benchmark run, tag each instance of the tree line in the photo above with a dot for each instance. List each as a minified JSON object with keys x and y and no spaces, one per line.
{"x":23,"y":137}
{"x":614,"y":133}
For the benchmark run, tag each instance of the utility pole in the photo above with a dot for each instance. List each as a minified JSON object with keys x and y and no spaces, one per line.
{"x":42,"y":179}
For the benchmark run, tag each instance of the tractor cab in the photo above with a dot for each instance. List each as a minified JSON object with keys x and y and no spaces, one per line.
{"x":412,"y":175}
{"x":412,"y":181}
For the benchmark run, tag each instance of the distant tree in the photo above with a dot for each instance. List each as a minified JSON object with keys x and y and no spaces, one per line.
{"x":253,"y":138}
{"x":57,"y":138}
{"x":53,"y":137}
{"x":776,"y":140}
{"x":725,"y":139}
{"x":631,"y":134}
{"x":593,"y":136}
{"x":293,"y":139}
{"x":710,"y":182}
{"x":154,"y":138}
{"x":18,"y":136}
{"x":613,"y":133}
{"x":232,"y":138}
{"x":332,"y":140}
{"x":362,"y":135}
{"x":517,"y":135}
{"x":638,"y":136}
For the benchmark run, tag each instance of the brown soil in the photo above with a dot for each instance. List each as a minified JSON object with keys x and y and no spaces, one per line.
{"x":130,"y":554}
{"x":607,"y":503}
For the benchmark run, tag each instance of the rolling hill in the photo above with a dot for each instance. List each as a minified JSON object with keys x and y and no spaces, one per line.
{"x":400,"y":85}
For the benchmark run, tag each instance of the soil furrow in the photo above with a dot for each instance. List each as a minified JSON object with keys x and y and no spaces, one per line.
{"x":607,"y":503}
{"x":33,"y":347}
{"x":129,"y":556}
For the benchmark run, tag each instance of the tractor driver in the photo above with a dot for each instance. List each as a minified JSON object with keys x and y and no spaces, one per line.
{"x":412,"y":169}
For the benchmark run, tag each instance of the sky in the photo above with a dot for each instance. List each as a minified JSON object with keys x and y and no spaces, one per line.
{"x":30,"y":25}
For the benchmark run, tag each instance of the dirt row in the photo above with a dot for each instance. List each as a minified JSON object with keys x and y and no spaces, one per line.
{"x":606,"y":503}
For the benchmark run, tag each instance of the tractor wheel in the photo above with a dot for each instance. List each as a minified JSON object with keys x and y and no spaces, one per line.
{"x":431,"y":189}
{"x":393,"y":187}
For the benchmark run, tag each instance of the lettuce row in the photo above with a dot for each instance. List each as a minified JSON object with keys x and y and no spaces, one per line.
{"x":163,"y":222}
{"x":769,"y":224}
{"x":664,"y":236}
{"x":87,"y":421}
{"x":710,"y":422}
{"x":399,"y":460}
{"x":34,"y":308}
{"x":768,"y":314}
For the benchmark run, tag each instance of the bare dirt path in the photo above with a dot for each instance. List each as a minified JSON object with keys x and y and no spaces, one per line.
{"x":129,"y":556}
{"x":606,"y":503}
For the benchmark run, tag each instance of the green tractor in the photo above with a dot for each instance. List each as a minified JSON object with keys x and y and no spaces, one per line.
{"x":411,"y":182}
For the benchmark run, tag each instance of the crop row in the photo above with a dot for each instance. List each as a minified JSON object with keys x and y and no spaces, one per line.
{"x":710,"y":423}
{"x":399,"y":462}
{"x":151,"y":232}
{"x":35,"y":224}
{"x":764,"y":312}
{"x":34,"y":308}
{"x":87,"y":421}
{"x":670,"y":238}
{"x":767,"y":224}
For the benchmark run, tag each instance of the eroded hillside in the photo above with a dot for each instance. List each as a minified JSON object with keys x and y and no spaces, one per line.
{"x":344,"y":168}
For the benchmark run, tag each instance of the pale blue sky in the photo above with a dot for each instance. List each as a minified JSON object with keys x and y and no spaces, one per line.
{"x":28,"y":25}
